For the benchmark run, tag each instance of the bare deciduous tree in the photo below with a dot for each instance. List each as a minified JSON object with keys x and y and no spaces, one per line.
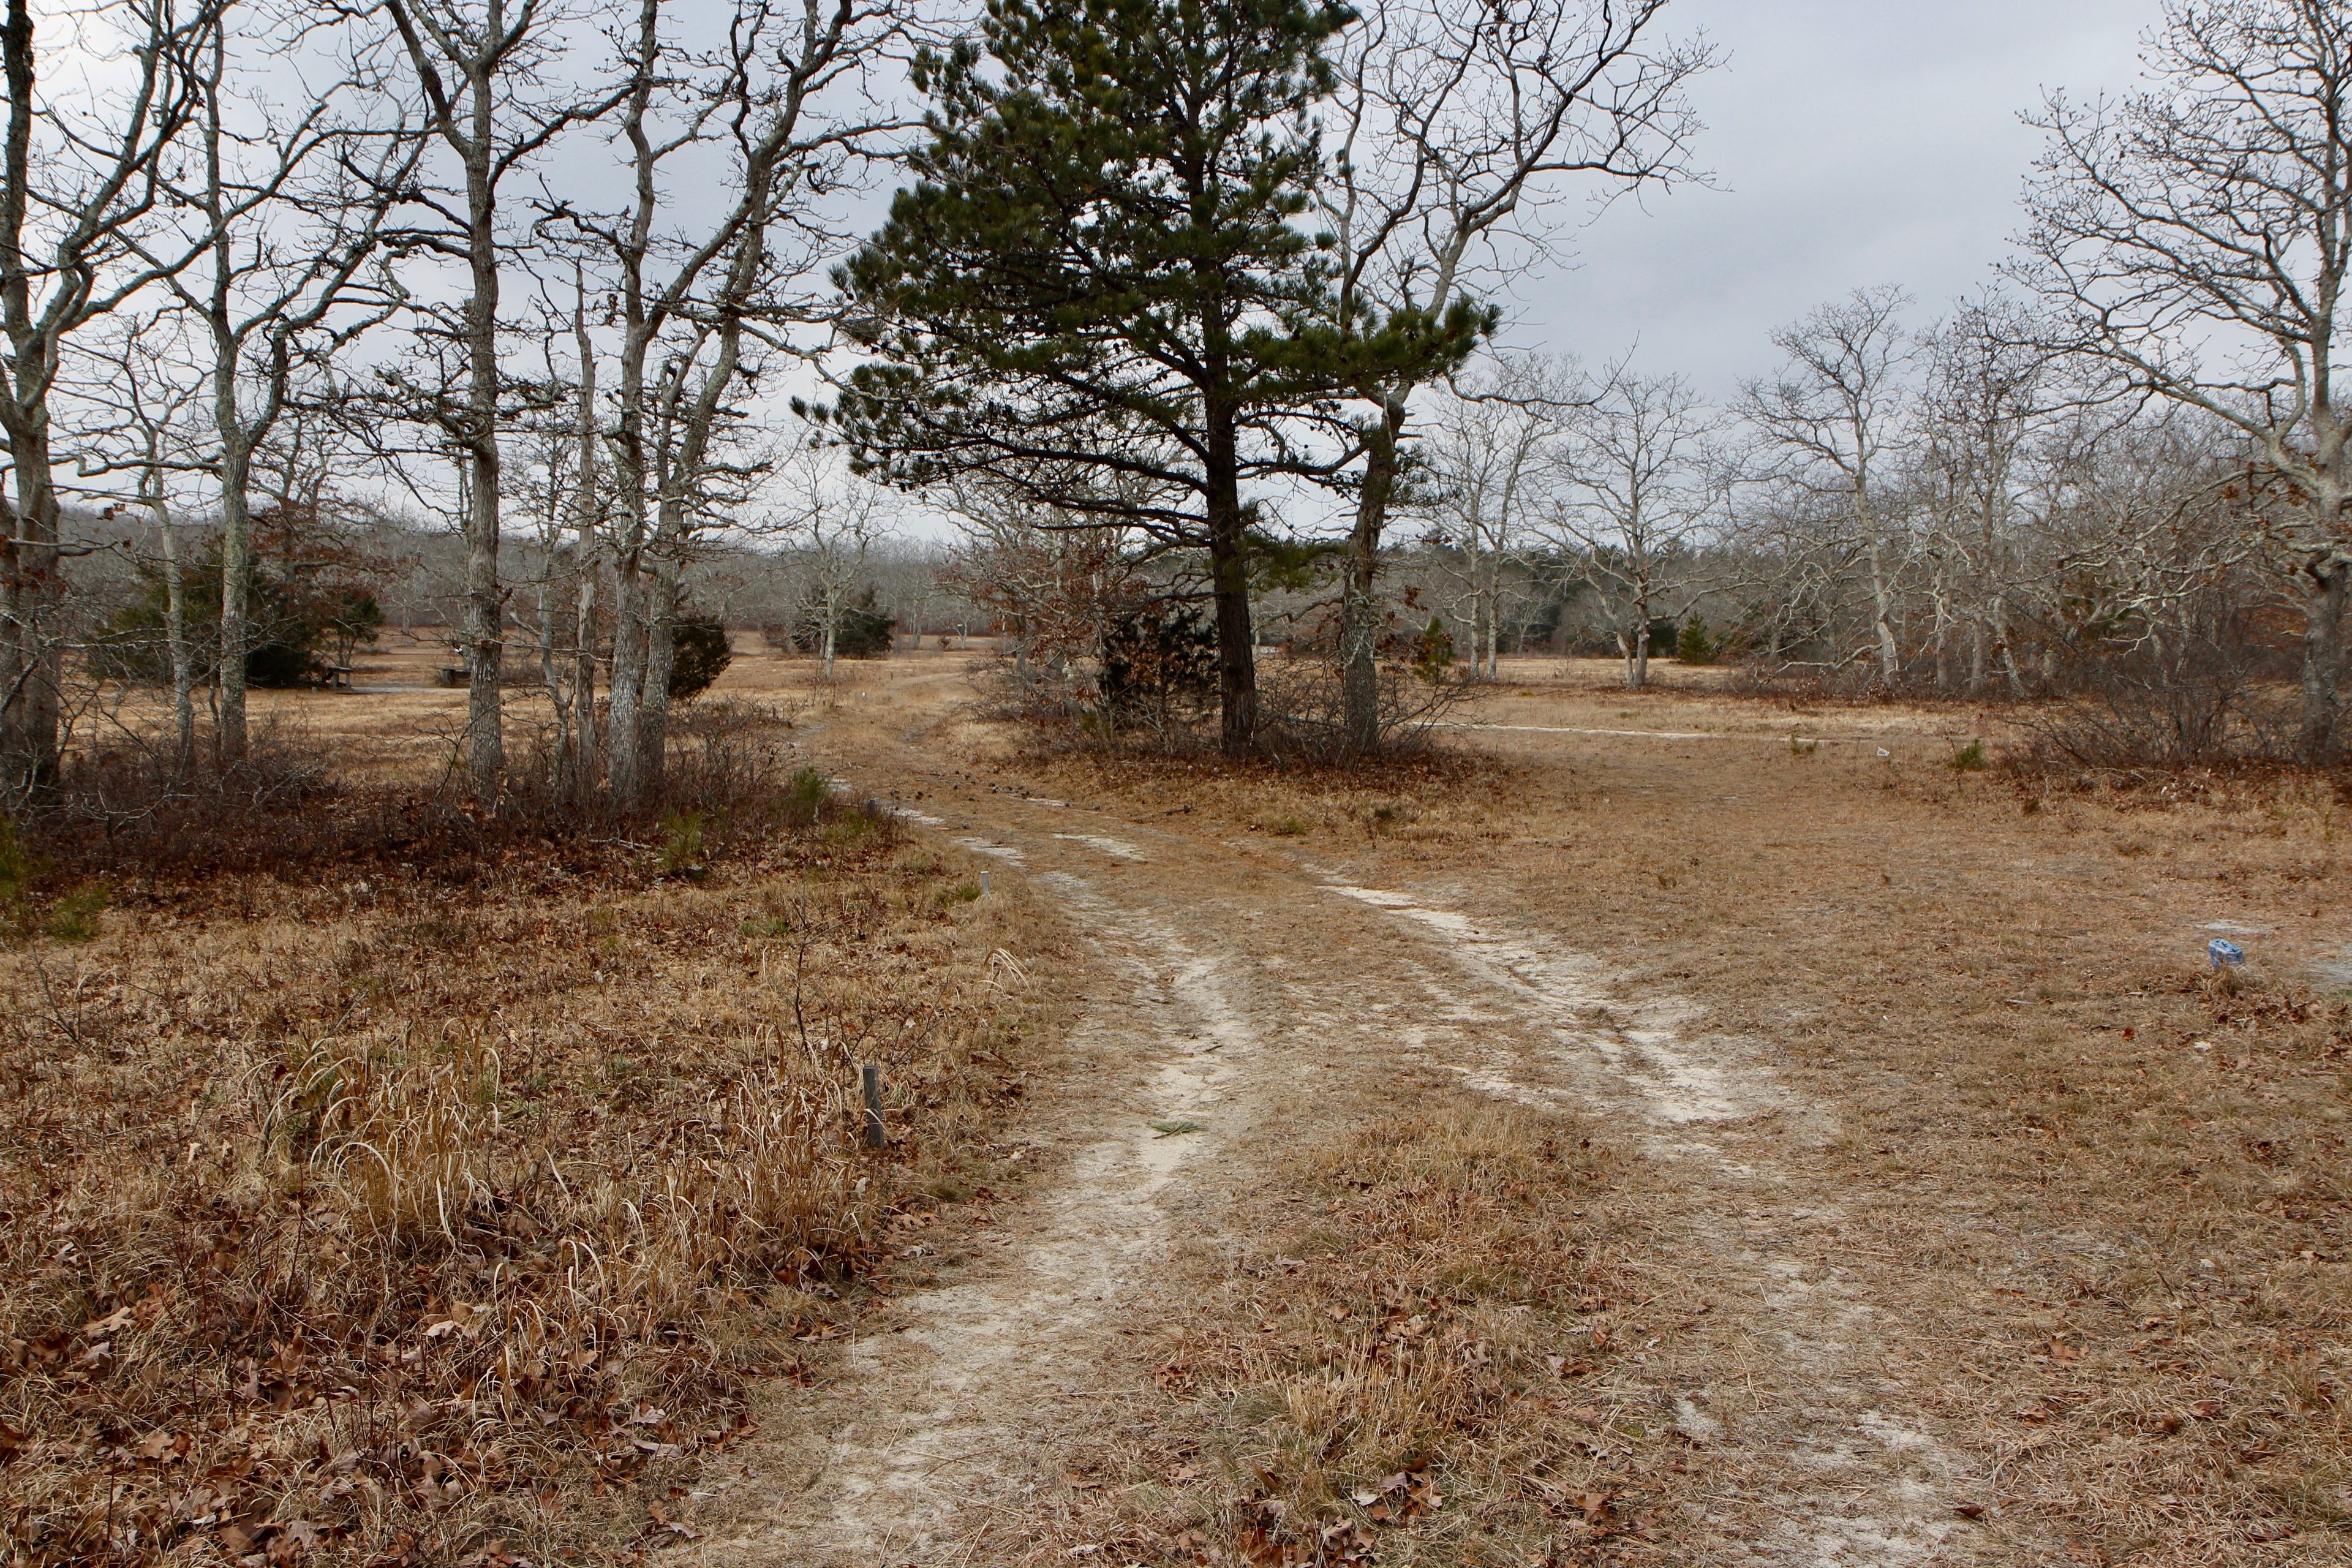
{"x":794,"y":102}
{"x":831,"y":522}
{"x":1457,"y":129}
{"x":1487,"y":468}
{"x":1989,"y":394}
{"x":481,"y":67}
{"x":2197,"y":235}
{"x":1641,"y":483}
{"x":285,"y":216}
{"x":1830,"y":421}
{"x":143,"y":390}
{"x":81,"y":176}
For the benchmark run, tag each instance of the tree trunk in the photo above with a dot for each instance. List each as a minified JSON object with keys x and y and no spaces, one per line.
{"x":1944,"y":679}
{"x":1637,"y":668}
{"x":175,"y":638}
{"x":583,"y":647}
{"x":28,"y":556}
{"x":485,"y":601}
{"x":1236,"y":646}
{"x":1482,"y":629}
{"x":1360,"y":674}
{"x":28,"y":595}
{"x":1229,"y":582}
{"x":2004,"y":649}
{"x":558,"y":693}
{"x":661,"y":655}
{"x":826,"y":636}
{"x":629,"y":679}
{"x":583,"y":676}
{"x":230,"y":737}
{"x":2325,"y":581}
{"x":1882,"y":620}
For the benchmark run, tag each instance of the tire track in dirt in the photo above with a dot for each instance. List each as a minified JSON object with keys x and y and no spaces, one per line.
{"x":1867,"y":1486}
{"x":1220,"y":975}
{"x":947,"y":1414}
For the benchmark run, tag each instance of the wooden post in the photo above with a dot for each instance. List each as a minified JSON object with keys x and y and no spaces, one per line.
{"x":872,"y":1077}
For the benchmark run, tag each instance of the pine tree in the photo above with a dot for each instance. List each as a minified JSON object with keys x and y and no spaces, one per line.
{"x":1092,"y":297}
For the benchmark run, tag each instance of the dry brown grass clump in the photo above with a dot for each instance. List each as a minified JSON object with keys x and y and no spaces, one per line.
{"x":366,"y":1219}
{"x":1398,"y":1372}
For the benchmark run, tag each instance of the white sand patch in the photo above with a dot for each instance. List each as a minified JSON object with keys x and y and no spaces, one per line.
{"x":954,"y":1406}
{"x":1119,"y":847}
{"x":1643,"y":1047}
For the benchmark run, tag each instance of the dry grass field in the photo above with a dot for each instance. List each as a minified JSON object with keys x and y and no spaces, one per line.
{"x":2088,"y":1199}
{"x":413,"y":1211}
{"x":1673,"y":1129}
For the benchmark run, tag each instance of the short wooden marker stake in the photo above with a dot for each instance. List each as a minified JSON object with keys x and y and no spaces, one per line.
{"x":871,"y":1076}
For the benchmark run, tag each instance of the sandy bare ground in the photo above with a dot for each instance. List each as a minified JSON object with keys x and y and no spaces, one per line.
{"x":1233,"y":977}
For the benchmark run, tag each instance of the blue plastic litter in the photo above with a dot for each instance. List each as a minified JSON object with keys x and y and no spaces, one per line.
{"x":2225,"y":955}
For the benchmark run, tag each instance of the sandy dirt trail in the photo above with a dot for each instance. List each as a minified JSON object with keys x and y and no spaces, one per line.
{"x":1232,"y":978}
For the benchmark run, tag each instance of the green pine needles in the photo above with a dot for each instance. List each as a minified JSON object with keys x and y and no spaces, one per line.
{"x":1098,"y":296}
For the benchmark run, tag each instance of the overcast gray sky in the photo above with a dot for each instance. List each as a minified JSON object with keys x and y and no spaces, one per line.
{"x":1856,"y":143}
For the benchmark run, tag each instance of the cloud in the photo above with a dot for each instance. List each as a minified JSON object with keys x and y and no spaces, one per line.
{"x":1856,"y":143}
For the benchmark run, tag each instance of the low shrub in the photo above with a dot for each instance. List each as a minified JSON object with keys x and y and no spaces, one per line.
{"x":1694,"y":644}
{"x":74,"y":917}
{"x":128,"y":811}
{"x":1159,"y":669}
{"x":700,"y":655}
{"x":303,"y":622}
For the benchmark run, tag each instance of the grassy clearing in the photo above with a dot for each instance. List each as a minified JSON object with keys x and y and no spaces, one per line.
{"x":2096,"y":1198}
{"x":368,"y":1218}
